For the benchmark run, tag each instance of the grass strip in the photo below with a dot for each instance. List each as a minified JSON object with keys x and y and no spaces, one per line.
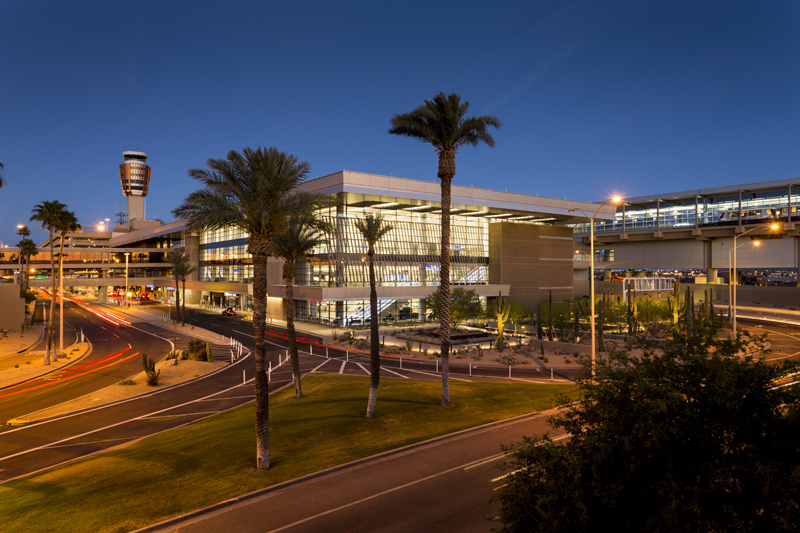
{"x":189,"y":468}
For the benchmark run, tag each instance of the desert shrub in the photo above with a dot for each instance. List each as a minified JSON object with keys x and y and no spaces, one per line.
{"x":127,"y":382}
{"x":197,"y":350}
{"x":150,"y":370}
{"x":507,"y":359}
{"x":409,"y":344}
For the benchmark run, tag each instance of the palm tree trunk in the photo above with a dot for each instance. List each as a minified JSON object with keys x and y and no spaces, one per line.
{"x":447,"y":169}
{"x":177,"y":298}
{"x":291,"y":335}
{"x":183,"y":311}
{"x":260,"y":252}
{"x":61,"y":309}
{"x":374,"y":340}
{"x":51,"y":321}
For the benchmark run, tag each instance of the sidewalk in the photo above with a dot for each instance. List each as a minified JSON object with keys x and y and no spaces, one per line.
{"x":13,"y":343}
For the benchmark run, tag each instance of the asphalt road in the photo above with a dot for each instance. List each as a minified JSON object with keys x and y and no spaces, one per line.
{"x":441,"y":486}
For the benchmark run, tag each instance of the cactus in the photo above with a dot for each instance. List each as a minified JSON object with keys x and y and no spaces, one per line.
{"x":501,"y":308}
{"x":539,"y":330}
{"x":550,"y":318}
{"x":150,"y":370}
{"x":689,"y":314}
{"x":676,"y":307}
{"x":209,"y":355}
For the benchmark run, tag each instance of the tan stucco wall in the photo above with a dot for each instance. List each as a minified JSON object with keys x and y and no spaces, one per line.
{"x":532,"y":260}
{"x":12,"y":307}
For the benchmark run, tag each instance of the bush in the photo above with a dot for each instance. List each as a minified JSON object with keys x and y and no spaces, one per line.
{"x":127,"y":382}
{"x":197,"y":350}
{"x":409,"y":344}
{"x":507,"y":359}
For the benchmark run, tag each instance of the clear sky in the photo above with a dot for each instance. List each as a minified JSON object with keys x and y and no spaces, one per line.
{"x":625,"y":96}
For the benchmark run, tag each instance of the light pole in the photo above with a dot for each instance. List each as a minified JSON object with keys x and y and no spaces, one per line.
{"x":126,"y":278}
{"x":615,"y":200}
{"x":734,"y":278}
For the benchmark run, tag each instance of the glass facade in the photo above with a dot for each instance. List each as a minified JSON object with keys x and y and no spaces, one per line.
{"x":708,"y":211}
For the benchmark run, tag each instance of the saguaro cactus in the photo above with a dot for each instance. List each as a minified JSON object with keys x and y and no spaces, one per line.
{"x":550,"y":318}
{"x":676,"y":307}
{"x":502,"y":309}
{"x":150,"y":370}
{"x":689,"y":314}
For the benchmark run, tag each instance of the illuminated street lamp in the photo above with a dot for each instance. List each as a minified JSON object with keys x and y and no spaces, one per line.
{"x":734,"y":281}
{"x":614,"y":200}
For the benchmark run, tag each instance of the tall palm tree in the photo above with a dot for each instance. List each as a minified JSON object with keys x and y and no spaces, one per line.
{"x":256,"y":192}
{"x":184,"y":270}
{"x":67,"y":223}
{"x":178,"y":261}
{"x":442,"y":123}
{"x":27,"y":248}
{"x":2,"y":178}
{"x":53,"y":216}
{"x":293,"y":245}
{"x":373,"y":228}
{"x":47,"y":213}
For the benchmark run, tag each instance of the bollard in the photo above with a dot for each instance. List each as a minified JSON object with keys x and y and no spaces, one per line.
{"x":311,"y":349}
{"x":437,"y":366}
{"x":348,"y":355}
{"x":509,"y":371}
{"x":551,"y":374}
{"x":326,"y":353}
{"x":244,"y":380}
{"x":470,"y":369}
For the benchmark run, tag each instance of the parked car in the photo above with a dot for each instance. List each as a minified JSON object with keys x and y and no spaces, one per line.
{"x":229,"y":312}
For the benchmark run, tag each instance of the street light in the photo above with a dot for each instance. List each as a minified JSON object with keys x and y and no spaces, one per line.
{"x":126,"y":279}
{"x":734,"y":281}
{"x":614,"y":200}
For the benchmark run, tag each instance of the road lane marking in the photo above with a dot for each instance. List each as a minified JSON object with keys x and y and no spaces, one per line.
{"x":367,"y":372}
{"x":562,"y":437}
{"x":341,"y":370}
{"x":395,"y":373}
{"x":388,"y":491}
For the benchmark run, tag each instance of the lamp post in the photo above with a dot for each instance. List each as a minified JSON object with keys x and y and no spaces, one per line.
{"x":615,"y":200}
{"x":734,"y":278}
{"x":126,"y":278}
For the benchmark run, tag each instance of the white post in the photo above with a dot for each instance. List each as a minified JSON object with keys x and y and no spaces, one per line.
{"x":244,"y":380}
{"x":551,"y":374}
{"x":61,"y":305}
{"x":470,"y":368}
{"x":437,"y":366}
{"x":326,"y":353}
{"x":311,"y":349}
{"x":509,"y":371}
{"x":126,"y":278}
{"x":591,"y":285}
{"x":348,"y":355}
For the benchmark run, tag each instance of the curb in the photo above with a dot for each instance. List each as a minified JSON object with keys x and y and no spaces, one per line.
{"x":172,"y":522}
{"x":88,"y":351}
{"x":21,"y":422}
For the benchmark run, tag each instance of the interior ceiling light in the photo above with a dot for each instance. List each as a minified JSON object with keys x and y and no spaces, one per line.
{"x":475,"y":213}
{"x":499,"y":215}
{"x":416,"y":207}
{"x":387,"y":204}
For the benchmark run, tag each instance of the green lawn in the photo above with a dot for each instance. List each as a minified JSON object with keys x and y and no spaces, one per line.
{"x":213,"y":460}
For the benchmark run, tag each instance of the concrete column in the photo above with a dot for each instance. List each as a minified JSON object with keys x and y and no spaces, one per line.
{"x":711,"y":275}
{"x":658,"y":214}
{"x":696,"y":212}
{"x":606,"y":274}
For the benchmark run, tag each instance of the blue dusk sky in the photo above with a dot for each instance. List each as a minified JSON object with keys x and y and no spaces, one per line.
{"x":628,"y":96}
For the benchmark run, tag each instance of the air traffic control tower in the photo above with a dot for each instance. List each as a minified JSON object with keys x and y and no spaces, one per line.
{"x":135,"y":177}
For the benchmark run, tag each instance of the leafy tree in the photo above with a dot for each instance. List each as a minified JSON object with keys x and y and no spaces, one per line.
{"x":54,"y":216}
{"x":465,"y":304}
{"x":691,"y":438}
{"x":443,"y":123}
{"x":293,"y":245}
{"x":518,"y":313}
{"x":373,"y":228}
{"x":256,"y":192}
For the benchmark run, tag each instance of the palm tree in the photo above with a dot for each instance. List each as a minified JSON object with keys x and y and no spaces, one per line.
{"x":442,"y":123}
{"x":2,"y":178}
{"x":53,"y":216}
{"x":179,"y":262}
{"x":27,"y":248}
{"x":373,"y":228}
{"x":184,"y":269}
{"x":293,"y":245}
{"x":256,"y":192}
{"x":67,"y":223}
